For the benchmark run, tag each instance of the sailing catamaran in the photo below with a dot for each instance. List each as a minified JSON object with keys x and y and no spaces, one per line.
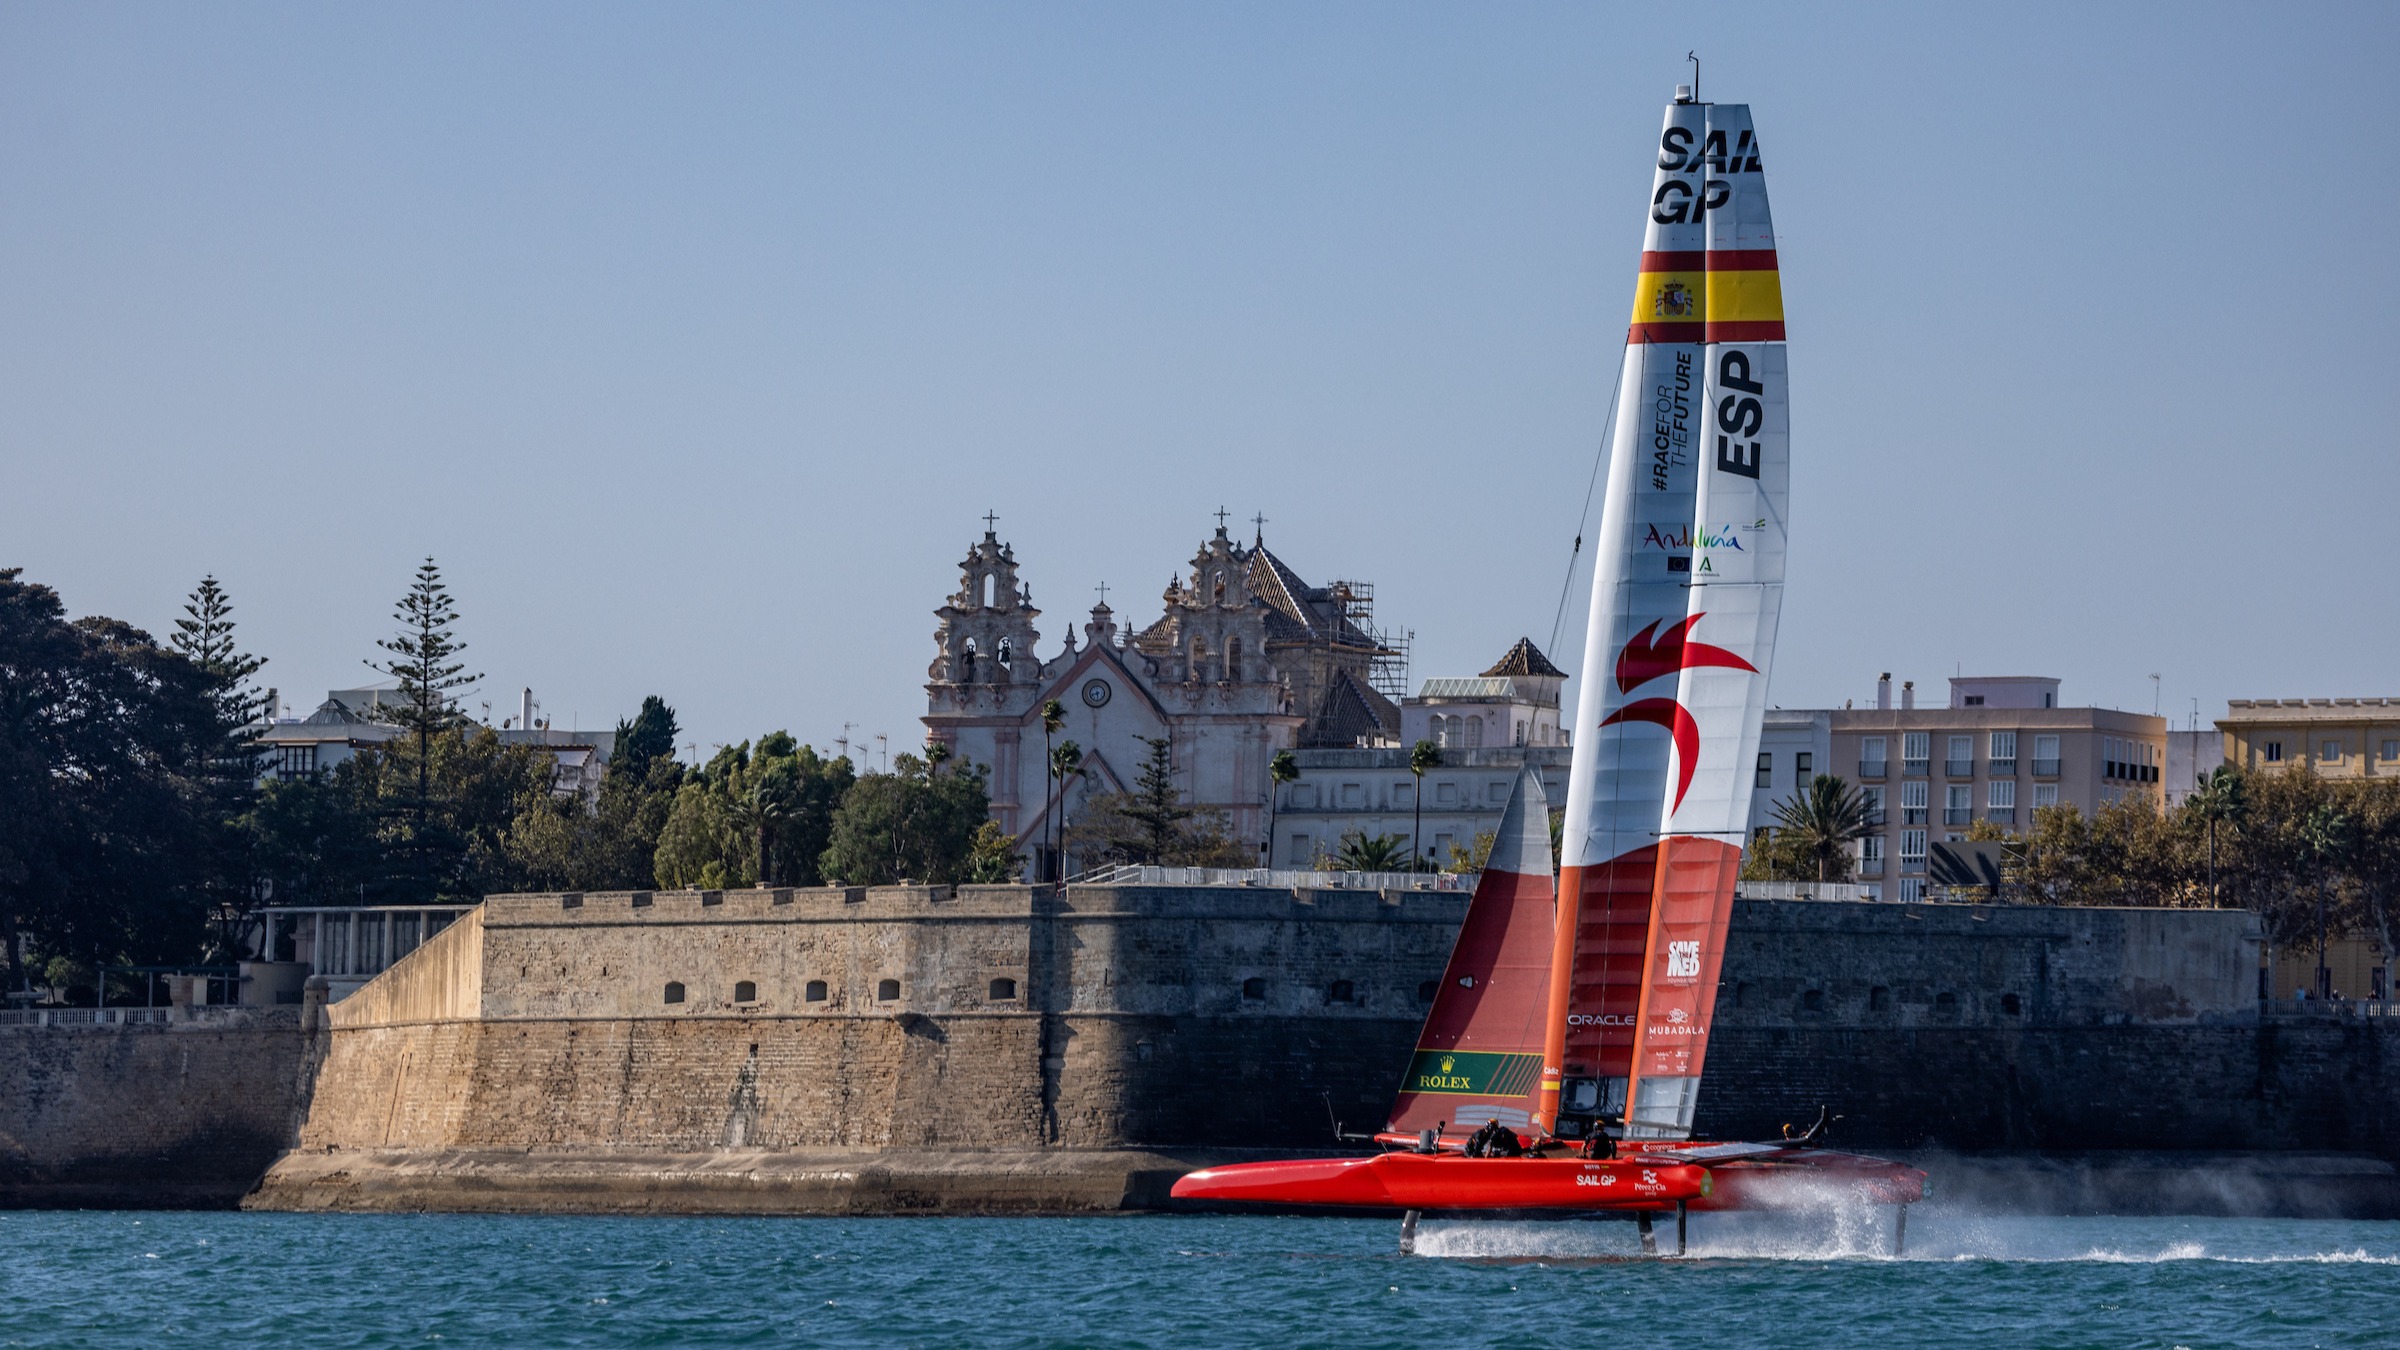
{"x":1573,"y":1021}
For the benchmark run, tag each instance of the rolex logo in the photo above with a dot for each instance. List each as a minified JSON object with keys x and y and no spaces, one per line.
{"x":1448,"y":1063}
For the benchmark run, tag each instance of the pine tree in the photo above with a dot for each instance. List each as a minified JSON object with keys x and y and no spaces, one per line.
{"x":423,"y":657}
{"x":1154,"y":802}
{"x":226,"y":765}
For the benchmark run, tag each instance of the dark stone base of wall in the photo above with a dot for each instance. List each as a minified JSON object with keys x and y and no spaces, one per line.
{"x":732,"y":1181}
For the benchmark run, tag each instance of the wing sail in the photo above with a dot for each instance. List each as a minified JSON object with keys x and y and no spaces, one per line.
{"x":1686,"y":593}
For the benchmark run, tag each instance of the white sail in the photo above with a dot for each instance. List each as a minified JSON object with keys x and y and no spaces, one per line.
{"x":1688,"y":572}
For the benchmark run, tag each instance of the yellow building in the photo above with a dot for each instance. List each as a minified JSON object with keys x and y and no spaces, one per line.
{"x":2355,"y":968}
{"x":2338,"y":737}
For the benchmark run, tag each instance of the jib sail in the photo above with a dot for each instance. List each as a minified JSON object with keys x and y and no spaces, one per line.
{"x":1479,"y":1057}
{"x":1686,"y":593}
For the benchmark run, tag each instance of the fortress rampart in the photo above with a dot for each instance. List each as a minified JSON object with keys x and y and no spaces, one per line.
{"x":1016,"y":1048}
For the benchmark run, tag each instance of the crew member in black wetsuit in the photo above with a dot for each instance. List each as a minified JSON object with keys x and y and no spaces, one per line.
{"x":1494,"y":1140}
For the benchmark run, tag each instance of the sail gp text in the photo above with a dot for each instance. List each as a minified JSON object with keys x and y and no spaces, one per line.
{"x":1670,"y":438}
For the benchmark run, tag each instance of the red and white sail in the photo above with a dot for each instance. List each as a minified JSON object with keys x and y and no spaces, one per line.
{"x":1686,"y":593}
{"x":1479,"y":1057}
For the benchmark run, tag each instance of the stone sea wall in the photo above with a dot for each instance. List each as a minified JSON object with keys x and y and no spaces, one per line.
{"x":159,"y":1114}
{"x":1009,"y":1049}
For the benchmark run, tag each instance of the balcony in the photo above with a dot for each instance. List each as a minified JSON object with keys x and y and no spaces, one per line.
{"x":2045,"y":768}
{"x":1870,"y":867}
{"x":1912,"y":815}
{"x":2003,"y":768}
{"x":1959,"y":768}
{"x":1913,"y":865}
{"x":2001,"y":815}
{"x":1874,"y":816}
{"x":1873,"y":768}
{"x":1912,"y":768}
{"x":1956,"y":815}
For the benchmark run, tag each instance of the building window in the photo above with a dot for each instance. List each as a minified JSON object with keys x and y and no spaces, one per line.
{"x":1520,"y":731}
{"x":1875,"y":892}
{"x":1915,"y":748}
{"x":1913,"y":800}
{"x":1972,"y":701}
{"x":745,"y":991}
{"x":1254,"y":989}
{"x":1961,"y":761}
{"x":816,"y":991}
{"x":1445,"y":794}
{"x":2391,"y":750}
{"x":295,"y":761}
{"x":1002,"y":990}
{"x":1958,"y":803}
{"x":1341,"y":991}
{"x":2044,"y":794}
{"x":1474,"y":732}
{"x":1813,"y":1001}
{"x":2045,"y":756}
{"x":887,"y":990}
{"x":1873,"y":797}
{"x":1352,"y":794}
{"x":1425,"y":991}
{"x":674,"y":991}
{"x":2004,"y":752}
{"x":2329,"y":751}
{"x":1912,"y":890}
{"x":1879,"y":999}
{"x":1945,"y":1004}
{"x":2271,"y":752}
{"x":2010,"y":1005}
{"x":1804,"y":766}
{"x":1766,"y":769}
{"x":1912,"y":850}
{"x":1870,"y":856}
{"x":1870,"y":757}
{"x":2001,"y":793}
{"x":1297,"y":850}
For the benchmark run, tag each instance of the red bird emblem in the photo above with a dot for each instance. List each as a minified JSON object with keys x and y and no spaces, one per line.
{"x":1651,"y":654}
{"x":1645,"y":659}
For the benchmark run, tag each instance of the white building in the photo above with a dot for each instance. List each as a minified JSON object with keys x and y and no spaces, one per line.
{"x":352,"y":720}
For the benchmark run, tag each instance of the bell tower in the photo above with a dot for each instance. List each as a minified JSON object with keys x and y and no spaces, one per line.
{"x":985,"y":632}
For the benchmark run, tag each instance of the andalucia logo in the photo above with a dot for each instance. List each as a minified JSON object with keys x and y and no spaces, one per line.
{"x":1473,"y":1072}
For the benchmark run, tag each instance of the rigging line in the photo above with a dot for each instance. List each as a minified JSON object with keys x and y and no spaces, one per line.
{"x":1608,"y":430}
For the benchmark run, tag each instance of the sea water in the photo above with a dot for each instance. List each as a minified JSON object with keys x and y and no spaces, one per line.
{"x":163,"y":1279}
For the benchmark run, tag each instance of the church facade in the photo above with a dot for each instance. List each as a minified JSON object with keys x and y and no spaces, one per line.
{"x":1244,"y":660}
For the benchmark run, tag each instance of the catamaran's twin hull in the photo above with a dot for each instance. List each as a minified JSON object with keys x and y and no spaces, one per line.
{"x":1453,"y":1182}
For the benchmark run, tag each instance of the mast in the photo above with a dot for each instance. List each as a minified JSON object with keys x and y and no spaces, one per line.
{"x":1686,"y":593}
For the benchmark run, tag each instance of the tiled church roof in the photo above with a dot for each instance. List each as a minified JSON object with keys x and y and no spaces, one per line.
{"x":1524,"y":659}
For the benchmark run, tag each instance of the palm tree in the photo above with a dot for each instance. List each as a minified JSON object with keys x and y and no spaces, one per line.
{"x":1824,"y":819}
{"x":1280,"y":770}
{"x":2325,"y":839}
{"x":937,"y":753}
{"x":2219,"y":796}
{"x":1421,"y":756}
{"x":770,"y":802}
{"x":1065,"y":762}
{"x":1360,"y":853}
{"x":1054,"y":718}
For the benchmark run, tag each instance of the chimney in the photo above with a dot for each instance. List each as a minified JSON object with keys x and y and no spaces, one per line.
{"x":1908,"y":695}
{"x":525,"y":710}
{"x":274,"y":706}
{"x":1883,"y":692}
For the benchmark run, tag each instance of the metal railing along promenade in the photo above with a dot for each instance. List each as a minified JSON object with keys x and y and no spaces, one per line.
{"x":1278,"y":878}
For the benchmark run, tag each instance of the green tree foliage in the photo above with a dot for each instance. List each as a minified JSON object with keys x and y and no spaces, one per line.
{"x":105,"y":737}
{"x":227,"y":767}
{"x":423,"y":655}
{"x":1820,"y":822}
{"x":1361,"y":852}
{"x":648,"y":737}
{"x":746,"y":817}
{"x":909,"y":825}
{"x":1152,"y":824}
{"x":1475,"y":856}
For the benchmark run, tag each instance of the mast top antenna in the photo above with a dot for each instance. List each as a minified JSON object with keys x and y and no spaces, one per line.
{"x":1690,"y":93}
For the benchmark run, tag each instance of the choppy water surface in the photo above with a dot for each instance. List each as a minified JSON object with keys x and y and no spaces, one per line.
{"x":123,"y":1278}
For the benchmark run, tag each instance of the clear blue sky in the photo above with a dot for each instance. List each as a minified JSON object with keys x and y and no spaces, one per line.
{"x":694,"y":340}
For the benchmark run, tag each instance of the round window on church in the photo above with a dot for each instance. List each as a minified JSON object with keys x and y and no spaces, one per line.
{"x":1096,"y":692}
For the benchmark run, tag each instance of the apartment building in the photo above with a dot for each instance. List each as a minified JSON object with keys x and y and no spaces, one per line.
{"x":2000,"y":749}
{"x":2335,"y":737}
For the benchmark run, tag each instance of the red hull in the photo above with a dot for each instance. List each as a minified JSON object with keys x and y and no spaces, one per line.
{"x":1439,"y":1181}
{"x":1634,"y":1182}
